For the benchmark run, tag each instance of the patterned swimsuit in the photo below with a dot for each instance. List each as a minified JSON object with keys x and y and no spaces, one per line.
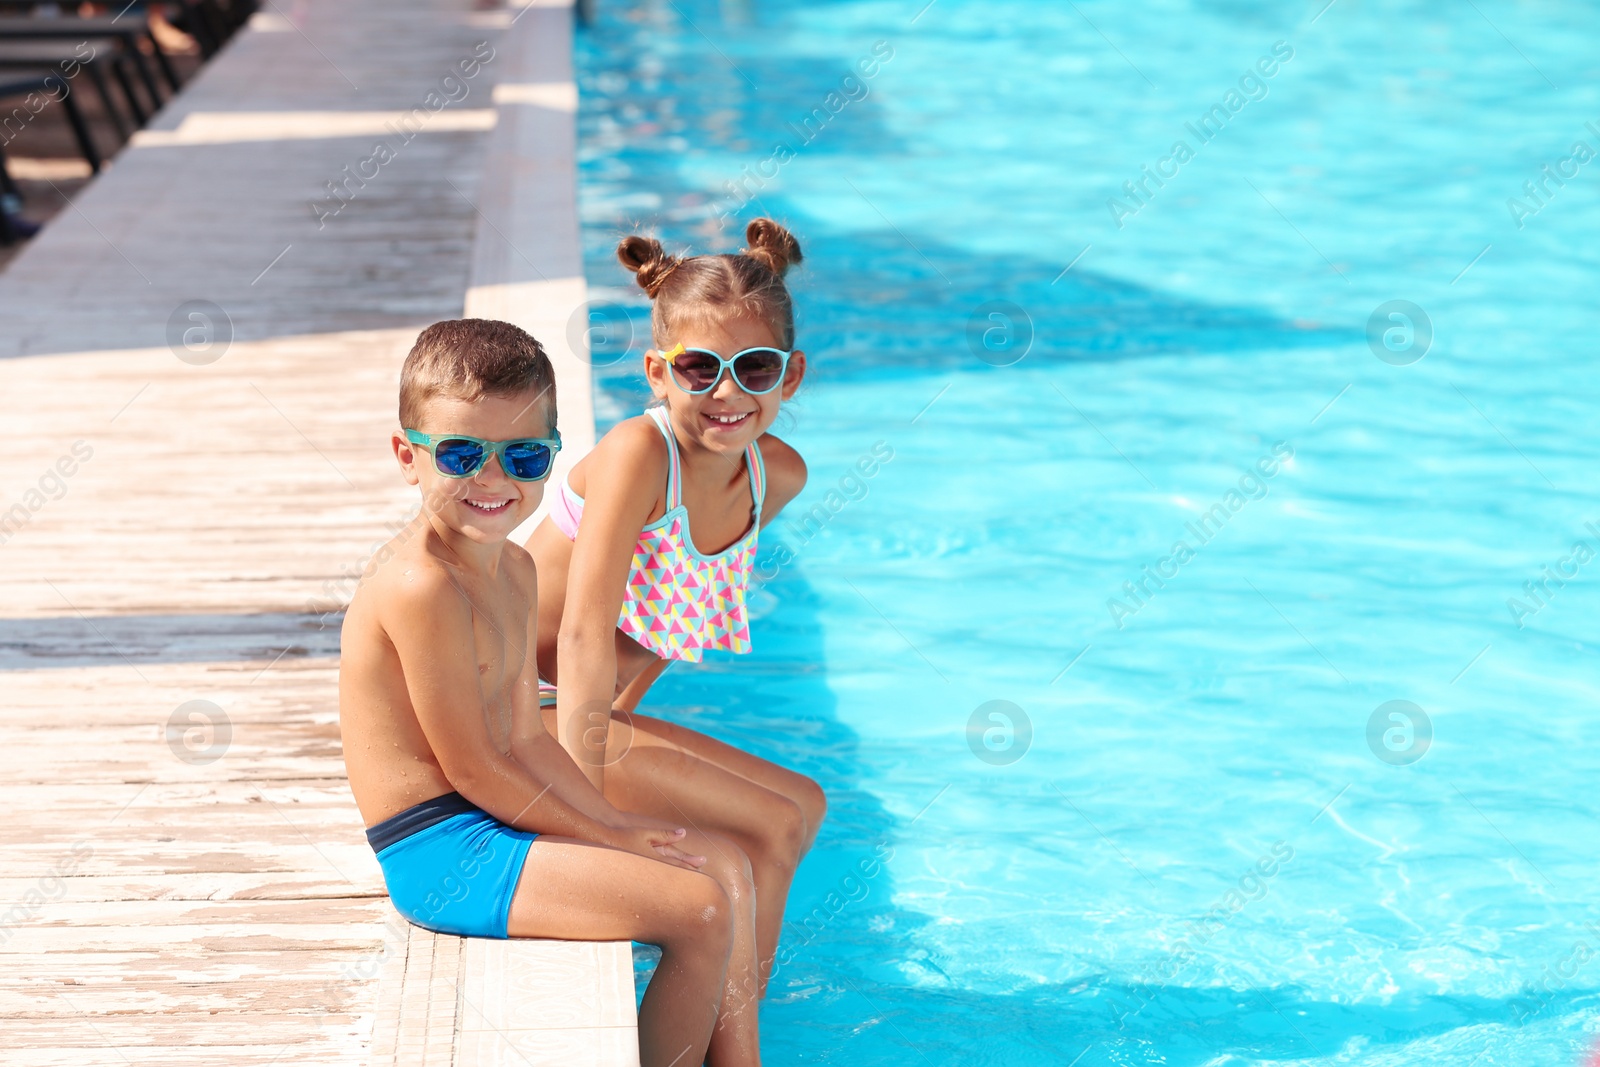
{"x":679,"y":603}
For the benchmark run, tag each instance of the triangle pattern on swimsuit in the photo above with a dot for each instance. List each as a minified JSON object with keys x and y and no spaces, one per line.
{"x":679,"y":603}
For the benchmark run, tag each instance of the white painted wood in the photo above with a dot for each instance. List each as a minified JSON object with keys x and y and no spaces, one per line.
{"x":418,"y":1015}
{"x":547,"y":985}
{"x":231,"y":127}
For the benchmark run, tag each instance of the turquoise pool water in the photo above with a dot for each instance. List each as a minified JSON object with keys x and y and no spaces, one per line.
{"x":1210,"y":851}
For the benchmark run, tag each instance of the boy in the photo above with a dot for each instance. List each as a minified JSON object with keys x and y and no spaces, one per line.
{"x":482,"y":823}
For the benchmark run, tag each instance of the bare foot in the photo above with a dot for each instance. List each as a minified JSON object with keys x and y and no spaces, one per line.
{"x":172,"y":40}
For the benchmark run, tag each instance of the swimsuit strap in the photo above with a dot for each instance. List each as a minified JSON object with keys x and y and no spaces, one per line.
{"x":758,"y":476}
{"x":674,"y":479}
{"x":753,"y":462}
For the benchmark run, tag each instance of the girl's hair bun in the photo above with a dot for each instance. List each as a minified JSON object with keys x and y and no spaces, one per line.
{"x":685,"y":289}
{"x":771,"y":245}
{"x":648,"y":261}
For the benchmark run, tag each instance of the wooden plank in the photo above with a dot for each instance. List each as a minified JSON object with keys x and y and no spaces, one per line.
{"x":418,"y":1006}
{"x":103,"y":969}
{"x":203,"y":885}
{"x":326,"y":1053}
{"x":162,"y":908}
{"x":314,"y":491}
{"x":69,"y":797}
{"x":156,"y":908}
{"x":194,"y":939}
{"x":189,"y":1029}
{"x":78,"y":914}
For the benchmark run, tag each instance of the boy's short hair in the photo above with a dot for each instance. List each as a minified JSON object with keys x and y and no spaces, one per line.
{"x":468,"y":359}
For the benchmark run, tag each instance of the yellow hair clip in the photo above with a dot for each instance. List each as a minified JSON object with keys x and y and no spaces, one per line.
{"x":674,"y":352}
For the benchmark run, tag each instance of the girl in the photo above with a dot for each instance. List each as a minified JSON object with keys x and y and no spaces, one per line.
{"x":627,"y":587}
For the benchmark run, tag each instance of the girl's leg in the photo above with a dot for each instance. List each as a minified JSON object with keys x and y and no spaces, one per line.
{"x":664,"y":773}
{"x":772,"y":813}
{"x":737,"y":1037}
{"x":637,"y":670}
{"x":584,"y":892}
{"x":629,"y":695}
{"x":800,"y":790}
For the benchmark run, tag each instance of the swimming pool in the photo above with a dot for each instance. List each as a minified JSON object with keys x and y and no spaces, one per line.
{"x":1210,"y":843}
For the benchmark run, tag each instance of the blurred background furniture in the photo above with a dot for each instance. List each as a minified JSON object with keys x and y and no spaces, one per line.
{"x":135,"y":56}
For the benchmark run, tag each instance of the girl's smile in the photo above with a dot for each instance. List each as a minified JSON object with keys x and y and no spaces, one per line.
{"x":724,"y":421}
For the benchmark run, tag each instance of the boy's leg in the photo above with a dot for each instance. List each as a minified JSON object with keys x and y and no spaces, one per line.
{"x":584,"y":892}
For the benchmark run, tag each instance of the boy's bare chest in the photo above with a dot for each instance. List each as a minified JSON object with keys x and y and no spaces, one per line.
{"x":500,"y":636}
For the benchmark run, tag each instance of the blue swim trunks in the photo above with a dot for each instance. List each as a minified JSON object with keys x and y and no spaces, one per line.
{"x":451,"y":866}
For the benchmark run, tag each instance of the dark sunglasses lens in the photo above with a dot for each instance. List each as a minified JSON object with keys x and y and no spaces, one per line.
{"x":527,"y":461}
{"x":759,"y":369}
{"x":458,"y":458}
{"x":697,"y":370}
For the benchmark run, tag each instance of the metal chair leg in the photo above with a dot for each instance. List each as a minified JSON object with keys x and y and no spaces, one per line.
{"x":10,"y":202}
{"x":120,"y":72}
{"x":10,"y":195}
{"x":80,"y":130}
{"x":238,"y":13}
{"x":98,"y":76}
{"x":136,"y":57}
{"x":216,"y":21}
{"x":168,"y":71}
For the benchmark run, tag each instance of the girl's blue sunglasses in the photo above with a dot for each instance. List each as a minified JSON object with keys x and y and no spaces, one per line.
{"x":698,"y":370}
{"x":527,"y":459}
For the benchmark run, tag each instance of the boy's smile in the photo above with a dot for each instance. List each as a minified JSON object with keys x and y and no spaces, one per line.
{"x":488,"y":505}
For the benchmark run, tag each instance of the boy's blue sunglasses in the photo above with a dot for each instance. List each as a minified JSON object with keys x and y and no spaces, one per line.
{"x":455,"y":455}
{"x":755,"y":370}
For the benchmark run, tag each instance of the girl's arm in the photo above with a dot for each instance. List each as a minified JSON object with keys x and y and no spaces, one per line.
{"x":626,"y":473}
{"x":534,"y":748}
{"x":786,"y":475}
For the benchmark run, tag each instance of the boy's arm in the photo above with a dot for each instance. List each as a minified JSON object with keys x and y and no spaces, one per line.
{"x":615,"y":509}
{"x":431,"y":628}
{"x":543,"y":756}
{"x":531,"y":743}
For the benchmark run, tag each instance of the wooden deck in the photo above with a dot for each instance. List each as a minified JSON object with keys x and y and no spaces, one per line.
{"x":185,"y":876}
